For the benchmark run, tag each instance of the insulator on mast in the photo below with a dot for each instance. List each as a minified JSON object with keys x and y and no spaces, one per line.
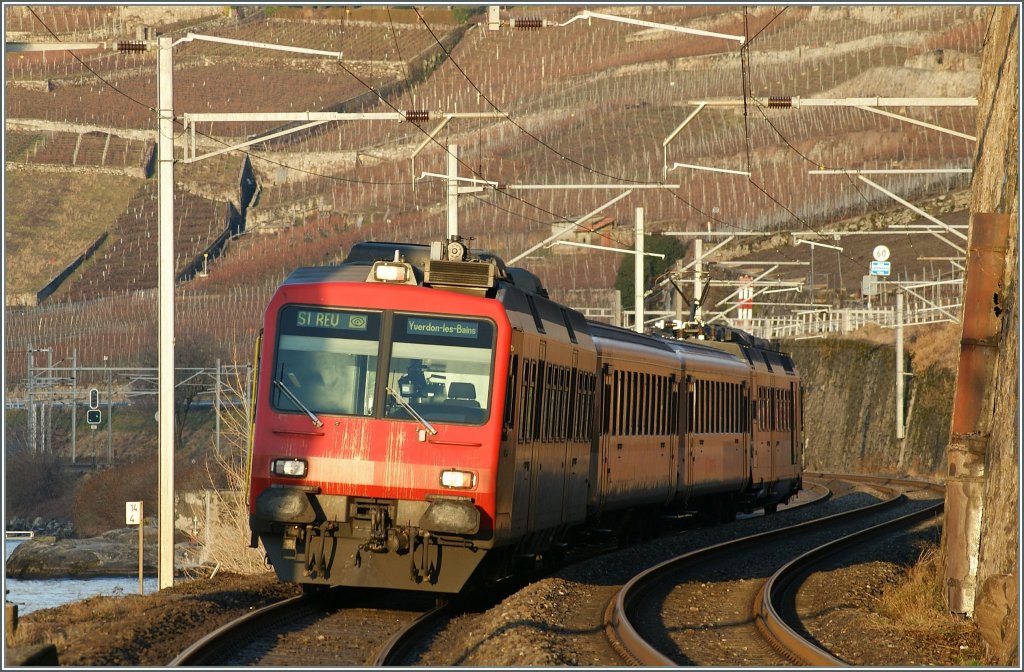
{"x":417,"y":115}
{"x":780,"y":101}
{"x":132,"y":45}
{"x":527,"y":24}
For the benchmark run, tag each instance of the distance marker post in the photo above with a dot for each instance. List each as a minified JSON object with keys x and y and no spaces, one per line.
{"x":133,"y":516}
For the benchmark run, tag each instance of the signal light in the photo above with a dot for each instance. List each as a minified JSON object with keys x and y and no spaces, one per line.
{"x":417,"y":115}
{"x":780,"y":101}
{"x":94,"y":398}
{"x":133,"y":46}
{"x":93,"y":416}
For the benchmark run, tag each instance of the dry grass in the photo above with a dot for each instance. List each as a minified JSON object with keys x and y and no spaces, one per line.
{"x":928,"y":345}
{"x":229,"y":545}
{"x":916,"y":600}
{"x":915,"y":604}
{"x":98,"y":610}
{"x":52,"y":218}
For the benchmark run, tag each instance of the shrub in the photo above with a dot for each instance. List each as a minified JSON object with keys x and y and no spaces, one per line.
{"x":36,"y":486}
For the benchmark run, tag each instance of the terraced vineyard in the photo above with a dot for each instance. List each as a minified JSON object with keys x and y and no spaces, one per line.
{"x":588,"y":102}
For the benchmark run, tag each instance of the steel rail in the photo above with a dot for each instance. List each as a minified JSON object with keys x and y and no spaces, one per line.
{"x":627,"y":640}
{"x":391,"y":654}
{"x":198,"y":652}
{"x":780,"y":586}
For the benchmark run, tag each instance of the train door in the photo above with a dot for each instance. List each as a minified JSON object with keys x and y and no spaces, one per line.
{"x":760,"y":460}
{"x":680,"y":440}
{"x":601,"y":443}
{"x":746,"y":430}
{"x":574,"y":503}
{"x":788,"y":456}
{"x":672,"y":429}
{"x":796,"y":426}
{"x":546,"y":478}
{"x":778,"y":452}
{"x":506,"y":480}
{"x":523,"y":441}
{"x":688,"y":447}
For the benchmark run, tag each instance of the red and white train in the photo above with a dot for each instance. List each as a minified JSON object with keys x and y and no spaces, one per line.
{"x":425,"y":414}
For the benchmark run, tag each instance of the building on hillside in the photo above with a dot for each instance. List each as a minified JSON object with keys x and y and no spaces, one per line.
{"x":594,"y":231}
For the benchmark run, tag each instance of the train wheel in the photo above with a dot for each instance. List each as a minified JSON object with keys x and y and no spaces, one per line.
{"x":771,"y":508}
{"x":713,"y":510}
{"x":729,"y":511}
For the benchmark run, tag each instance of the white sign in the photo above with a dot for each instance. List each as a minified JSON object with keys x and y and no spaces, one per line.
{"x":881,"y":253}
{"x":880,"y":267}
{"x":132,"y":513}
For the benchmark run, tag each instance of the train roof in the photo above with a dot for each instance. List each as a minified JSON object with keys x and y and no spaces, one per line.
{"x":344,"y":272}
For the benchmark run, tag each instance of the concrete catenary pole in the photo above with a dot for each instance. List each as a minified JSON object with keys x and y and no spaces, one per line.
{"x":638,"y":272}
{"x":453,"y":191}
{"x":165,"y":363}
{"x":698,"y":267}
{"x":74,"y":404}
{"x":899,"y":365}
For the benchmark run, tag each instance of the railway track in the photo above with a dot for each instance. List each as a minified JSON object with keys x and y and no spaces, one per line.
{"x":344,"y":628}
{"x":363,"y":628}
{"x":661,"y":617}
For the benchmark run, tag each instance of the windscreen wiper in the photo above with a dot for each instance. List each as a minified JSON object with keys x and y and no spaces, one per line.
{"x":412,"y":411}
{"x":291,"y":395}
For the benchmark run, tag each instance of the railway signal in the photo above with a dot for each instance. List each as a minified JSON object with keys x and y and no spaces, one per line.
{"x":94,"y":416}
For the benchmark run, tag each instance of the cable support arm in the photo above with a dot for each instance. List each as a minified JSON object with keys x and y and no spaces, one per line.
{"x":587,"y":14}
{"x":567,"y":229}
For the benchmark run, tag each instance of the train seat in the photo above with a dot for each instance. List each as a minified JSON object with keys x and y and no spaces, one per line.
{"x":462,"y":394}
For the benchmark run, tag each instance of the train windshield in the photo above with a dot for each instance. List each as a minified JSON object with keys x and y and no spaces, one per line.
{"x":326,"y":361}
{"x":441,"y":367}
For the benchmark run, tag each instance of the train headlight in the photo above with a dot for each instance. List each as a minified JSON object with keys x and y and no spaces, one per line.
{"x":386,"y":271}
{"x":455,"y":478}
{"x":286,"y":466}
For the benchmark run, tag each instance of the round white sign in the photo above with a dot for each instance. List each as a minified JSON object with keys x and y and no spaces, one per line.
{"x":881,"y":253}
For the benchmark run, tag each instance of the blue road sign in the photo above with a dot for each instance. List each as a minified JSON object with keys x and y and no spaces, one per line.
{"x":880,"y":267}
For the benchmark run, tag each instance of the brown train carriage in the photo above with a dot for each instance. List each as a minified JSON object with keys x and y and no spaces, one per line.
{"x":635,"y":454}
{"x":772,"y":419}
{"x":544,"y":460}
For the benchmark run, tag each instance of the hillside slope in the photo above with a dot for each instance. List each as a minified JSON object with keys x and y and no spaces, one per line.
{"x":589,"y":103}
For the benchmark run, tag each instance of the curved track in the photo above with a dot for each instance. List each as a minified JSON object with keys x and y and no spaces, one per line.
{"x":650,"y":624}
{"x":775,"y":610}
{"x":336,"y":629}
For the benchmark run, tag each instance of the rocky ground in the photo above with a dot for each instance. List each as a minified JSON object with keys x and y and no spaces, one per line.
{"x":151,"y":630}
{"x":532,"y":627}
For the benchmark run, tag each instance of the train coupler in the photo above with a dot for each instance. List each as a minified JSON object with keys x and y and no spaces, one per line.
{"x":378,"y":540}
{"x":421,"y":566}
{"x":319,"y":553}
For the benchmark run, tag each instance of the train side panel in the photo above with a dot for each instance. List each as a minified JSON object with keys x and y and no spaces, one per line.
{"x":546,"y":443}
{"x":635,"y":457}
{"x":777,"y":458}
{"x":716,"y":440}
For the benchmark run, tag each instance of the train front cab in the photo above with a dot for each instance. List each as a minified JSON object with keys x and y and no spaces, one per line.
{"x":391,"y":481}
